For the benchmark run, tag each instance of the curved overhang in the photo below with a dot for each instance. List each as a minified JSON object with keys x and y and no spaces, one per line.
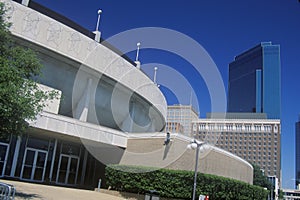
{"x":48,"y":33}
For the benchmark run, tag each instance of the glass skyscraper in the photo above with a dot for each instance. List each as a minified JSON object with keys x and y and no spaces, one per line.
{"x":297,"y":134}
{"x":254,"y":81}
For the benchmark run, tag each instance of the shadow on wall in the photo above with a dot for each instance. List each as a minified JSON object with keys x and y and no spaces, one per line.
{"x":166,"y":151}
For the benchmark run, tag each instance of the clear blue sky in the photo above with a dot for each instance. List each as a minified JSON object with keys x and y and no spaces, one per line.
{"x":223,"y":28}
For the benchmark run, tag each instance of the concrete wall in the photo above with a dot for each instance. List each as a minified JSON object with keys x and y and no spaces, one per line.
{"x":175,"y":155}
{"x":98,"y":85}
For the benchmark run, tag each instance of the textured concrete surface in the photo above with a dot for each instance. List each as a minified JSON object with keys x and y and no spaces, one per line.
{"x":175,"y":155}
{"x":37,"y":191}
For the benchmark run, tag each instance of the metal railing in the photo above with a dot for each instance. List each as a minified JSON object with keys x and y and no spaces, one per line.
{"x":7,"y":192}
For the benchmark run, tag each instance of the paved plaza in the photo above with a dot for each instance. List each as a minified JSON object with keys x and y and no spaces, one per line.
{"x":37,"y":191}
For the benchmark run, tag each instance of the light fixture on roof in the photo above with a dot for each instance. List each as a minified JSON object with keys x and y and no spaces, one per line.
{"x":97,"y":32}
{"x":137,"y":62}
{"x":155,"y":74}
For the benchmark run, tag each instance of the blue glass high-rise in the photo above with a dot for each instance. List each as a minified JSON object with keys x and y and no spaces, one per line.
{"x":297,"y":145}
{"x":254,"y":81}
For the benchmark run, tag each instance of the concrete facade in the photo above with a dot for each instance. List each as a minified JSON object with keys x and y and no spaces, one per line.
{"x":181,"y":115}
{"x":175,"y":155}
{"x":90,"y":76}
{"x":254,"y":140}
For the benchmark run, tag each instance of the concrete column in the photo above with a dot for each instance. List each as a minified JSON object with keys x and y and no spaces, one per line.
{"x":132,"y":115}
{"x":53,"y":160}
{"x":127,"y":124}
{"x":16,"y":156}
{"x":84,"y":166}
{"x":82,"y":108}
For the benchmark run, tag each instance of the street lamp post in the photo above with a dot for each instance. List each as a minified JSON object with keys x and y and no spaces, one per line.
{"x":195,"y":145}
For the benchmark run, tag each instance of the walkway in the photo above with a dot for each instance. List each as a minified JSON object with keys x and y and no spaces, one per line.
{"x":33,"y":191}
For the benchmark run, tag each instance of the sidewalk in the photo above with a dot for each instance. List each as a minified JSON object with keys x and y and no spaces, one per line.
{"x":37,"y":191}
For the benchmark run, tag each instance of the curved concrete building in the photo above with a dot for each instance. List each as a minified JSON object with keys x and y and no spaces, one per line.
{"x":109,"y":111}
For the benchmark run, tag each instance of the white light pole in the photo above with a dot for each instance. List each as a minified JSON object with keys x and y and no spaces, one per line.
{"x":155,"y":73}
{"x":98,"y":21}
{"x":97,"y":32}
{"x":137,"y":51}
{"x":137,"y":62}
{"x":195,"y":145}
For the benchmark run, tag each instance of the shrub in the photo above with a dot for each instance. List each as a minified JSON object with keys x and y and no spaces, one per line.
{"x":179,"y":183}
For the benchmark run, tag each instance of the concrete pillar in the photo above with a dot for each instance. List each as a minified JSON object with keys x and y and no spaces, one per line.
{"x":84,"y":166}
{"x":16,"y":156}
{"x":53,"y":160}
{"x":82,"y":109}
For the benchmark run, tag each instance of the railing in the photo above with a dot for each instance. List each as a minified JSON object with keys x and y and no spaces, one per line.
{"x":7,"y":191}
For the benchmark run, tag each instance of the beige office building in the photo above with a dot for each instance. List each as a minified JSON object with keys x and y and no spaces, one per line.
{"x":179,"y":119}
{"x":249,"y":136}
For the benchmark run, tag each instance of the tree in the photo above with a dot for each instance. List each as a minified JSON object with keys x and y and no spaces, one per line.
{"x":259,"y":178}
{"x":20,"y":97}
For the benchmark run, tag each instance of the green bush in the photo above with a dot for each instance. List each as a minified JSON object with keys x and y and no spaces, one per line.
{"x":179,"y":184}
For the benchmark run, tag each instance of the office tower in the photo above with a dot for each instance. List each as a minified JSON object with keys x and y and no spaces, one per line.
{"x":250,"y":136}
{"x":254,"y":81}
{"x":180,"y":117}
{"x":297,"y":146}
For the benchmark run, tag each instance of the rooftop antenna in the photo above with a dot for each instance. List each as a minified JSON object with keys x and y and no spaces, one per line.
{"x":155,"y":73}
{"x":137,"y":62}
{"x":97,"y":32}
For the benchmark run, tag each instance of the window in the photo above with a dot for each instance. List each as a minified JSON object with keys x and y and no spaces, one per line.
{"x":239,"y":127}
{"x":257,"y":128}
{"x":202,"y":126}
{"x":267,"y":128}
{"x":229,"y":127}
{"x":248,"y":128}
{"x":275,"y":129}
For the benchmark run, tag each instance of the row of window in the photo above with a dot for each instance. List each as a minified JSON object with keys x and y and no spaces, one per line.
{"x":254,"y":134}
{"x":221,"y":141}
{"x":238,"y":127}
{"x":253,"y":148}
{"x":259,"y":153}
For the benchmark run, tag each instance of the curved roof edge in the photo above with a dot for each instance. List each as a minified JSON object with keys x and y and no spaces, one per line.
{"x":45,"y":31}
{"x":66,"y":21}
{"x":186,"y":139}
{"x":189,"y":139}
